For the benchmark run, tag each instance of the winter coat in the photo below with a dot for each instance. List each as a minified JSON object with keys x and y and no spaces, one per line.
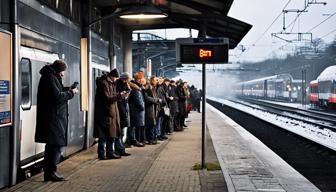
{"x":182,"y":101}
{"x":174,"y":105}
{"x":123,"y":105}
{"x":151,"y":105}
{"x":161,"y":93}
{"x":52,"y":108}
{"x":106,"y":113}
{"x":137,"y":105}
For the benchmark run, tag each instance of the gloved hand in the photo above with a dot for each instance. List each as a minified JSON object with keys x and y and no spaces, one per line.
{"x":74,"y":91}
{"x":124,"y":94}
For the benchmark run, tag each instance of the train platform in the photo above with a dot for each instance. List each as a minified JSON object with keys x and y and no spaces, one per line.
{"x":246,"y":165}
{"x":168,"y":166}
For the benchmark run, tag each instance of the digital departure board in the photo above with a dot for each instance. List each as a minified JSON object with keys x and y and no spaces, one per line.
{"x":206,"y":51}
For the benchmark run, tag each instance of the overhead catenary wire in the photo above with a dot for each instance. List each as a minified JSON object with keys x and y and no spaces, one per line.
{"x":322,"y":22}
{"x":328,"y":33}
{"x":272,"y":23}
{"x":262,"y":35}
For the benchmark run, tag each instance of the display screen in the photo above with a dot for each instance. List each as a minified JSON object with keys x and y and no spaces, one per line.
{"x":204,"y":53}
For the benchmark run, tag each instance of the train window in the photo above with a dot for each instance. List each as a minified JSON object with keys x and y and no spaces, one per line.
{"x":26,"y":84}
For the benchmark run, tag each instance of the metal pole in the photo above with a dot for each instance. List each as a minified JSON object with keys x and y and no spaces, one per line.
{"x":14,"y":133}
{"x":203,"y":114}
{"x":302,"y":91}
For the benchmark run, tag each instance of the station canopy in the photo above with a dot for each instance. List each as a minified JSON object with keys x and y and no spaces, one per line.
{"x":184,"y":14}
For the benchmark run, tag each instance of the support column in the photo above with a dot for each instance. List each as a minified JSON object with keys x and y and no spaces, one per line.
{"x":112,"y":54}
{"x":127,"y":50}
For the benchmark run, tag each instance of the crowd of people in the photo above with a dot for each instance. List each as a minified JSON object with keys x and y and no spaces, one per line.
{"x":138,"y":111}
{"x":141,"y":110}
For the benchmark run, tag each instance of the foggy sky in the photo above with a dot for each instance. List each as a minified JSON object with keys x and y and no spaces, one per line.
{"x":260,"y":14}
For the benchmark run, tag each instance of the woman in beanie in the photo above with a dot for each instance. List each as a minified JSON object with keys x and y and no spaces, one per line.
{"x":52,"y":116}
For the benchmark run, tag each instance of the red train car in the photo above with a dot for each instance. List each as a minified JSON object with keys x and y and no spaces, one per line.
{"x":323,"y":90}
{"x":313,"y":92}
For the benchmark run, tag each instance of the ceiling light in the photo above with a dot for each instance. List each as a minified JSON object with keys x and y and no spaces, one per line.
{"x":142,"y":12}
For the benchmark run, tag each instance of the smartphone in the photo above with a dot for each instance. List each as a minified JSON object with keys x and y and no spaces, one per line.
{"x":74,"y":85}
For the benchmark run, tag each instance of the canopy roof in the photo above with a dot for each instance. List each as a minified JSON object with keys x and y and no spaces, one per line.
{"x":185,"y":14}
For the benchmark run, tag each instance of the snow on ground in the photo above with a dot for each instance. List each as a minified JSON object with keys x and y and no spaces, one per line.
{"x":319,"y":135}
{"x":293,"y":105}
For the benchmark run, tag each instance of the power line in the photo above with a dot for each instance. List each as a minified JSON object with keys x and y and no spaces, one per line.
{"x":328,"y":33}
{"x":322,"y":22}
{"x":271,"y":23}
{"x":266,"y":29}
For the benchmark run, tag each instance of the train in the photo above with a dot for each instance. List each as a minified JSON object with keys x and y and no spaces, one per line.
{"x":280,"y":87}
{"x":323,"y":89}
{"x":39,"y":35}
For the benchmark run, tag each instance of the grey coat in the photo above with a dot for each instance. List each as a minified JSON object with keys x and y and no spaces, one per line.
{"x":137,"y":105}
{"x":151,"y":106}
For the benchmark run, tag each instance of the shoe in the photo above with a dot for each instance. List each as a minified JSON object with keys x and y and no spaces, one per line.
{"x":124,"y":154}
{"x":127,"y":145}
{"x":185,"y":126}
{"x":113,"y":156}
{"x":138,"y":144}
{"x":102,"y":158}
{"x":145,"y":142}
{"x":159,"y":138}
{"x":164,"y":137}
{"x":53,"y":177}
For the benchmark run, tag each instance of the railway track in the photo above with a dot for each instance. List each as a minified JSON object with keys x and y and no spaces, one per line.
{"x":316,"y":162}
{"x":319,"y":119}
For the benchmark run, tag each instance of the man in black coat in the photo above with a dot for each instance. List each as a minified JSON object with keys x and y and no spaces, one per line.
{"x":52,"y":116}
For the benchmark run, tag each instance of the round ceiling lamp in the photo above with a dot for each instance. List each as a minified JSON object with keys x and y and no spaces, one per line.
{"x":142,"y":12}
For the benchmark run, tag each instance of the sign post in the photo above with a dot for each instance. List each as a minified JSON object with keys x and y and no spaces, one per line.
{"x":202,"y":51}
{"x":203,"y":114}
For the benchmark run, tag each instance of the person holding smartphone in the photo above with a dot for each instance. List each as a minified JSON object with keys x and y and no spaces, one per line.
{"x":52,"y":116}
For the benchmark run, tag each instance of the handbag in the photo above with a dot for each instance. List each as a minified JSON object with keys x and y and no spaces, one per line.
{"x":166,"y":110}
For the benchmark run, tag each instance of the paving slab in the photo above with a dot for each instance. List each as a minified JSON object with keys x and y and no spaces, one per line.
{"x":163,"y":167}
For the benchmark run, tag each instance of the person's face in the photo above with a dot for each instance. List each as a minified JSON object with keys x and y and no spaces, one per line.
{"x":62,"y":73}
{"x":114,"y":78}
{"x":154,"y":81}
{"x":124,"y":80}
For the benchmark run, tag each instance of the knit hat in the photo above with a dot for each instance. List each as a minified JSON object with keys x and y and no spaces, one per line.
{"x":59,"y":66}
{"x":124,"y":75}
{"x":114,"y":73}
{"x":139,"y":75}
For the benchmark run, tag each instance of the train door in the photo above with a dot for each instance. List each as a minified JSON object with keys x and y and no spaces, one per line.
{"x":31,"y":61}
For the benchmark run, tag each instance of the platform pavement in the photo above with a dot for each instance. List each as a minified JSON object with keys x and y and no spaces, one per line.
{"x":248,"y":165}
{"x":163,"y":167}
